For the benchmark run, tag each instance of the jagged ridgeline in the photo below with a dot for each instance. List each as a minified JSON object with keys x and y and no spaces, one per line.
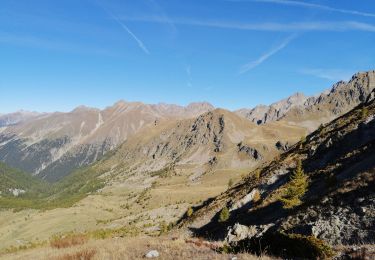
{"x":20,"y":190}
{"x":53,"y":145}
{"x":330,"y":195}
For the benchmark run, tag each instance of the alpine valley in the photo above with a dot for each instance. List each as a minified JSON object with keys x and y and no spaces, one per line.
{"x":294,"y":179}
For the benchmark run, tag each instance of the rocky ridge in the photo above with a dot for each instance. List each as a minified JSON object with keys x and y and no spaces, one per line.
{"x":312,"y":111}
{"x":218,"y":139}
{"x":337,"y":210}
{"x":53,"y":145}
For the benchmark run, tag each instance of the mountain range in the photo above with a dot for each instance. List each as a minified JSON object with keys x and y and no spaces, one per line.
{"x":52,"y":145}
{"x":201,"y":171}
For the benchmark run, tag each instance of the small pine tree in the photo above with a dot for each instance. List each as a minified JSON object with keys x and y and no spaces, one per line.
{"x":296,"y":188}
{"x":230,"y":183}
{"x":224,"y":214}
{"x":189,"y":212}
{"x":257,"y":174}
{"x":163,"y":227}
{"x":364,"y":113}
{"x":170,"y":226}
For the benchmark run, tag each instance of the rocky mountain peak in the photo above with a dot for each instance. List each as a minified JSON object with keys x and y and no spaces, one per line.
{"x":283,"y":105}
{"x":262,"y":114}
{"x":17,"y":117}
{"x":82,"y":108}
{"x":340,"y":98}
{"x":200,"y":105}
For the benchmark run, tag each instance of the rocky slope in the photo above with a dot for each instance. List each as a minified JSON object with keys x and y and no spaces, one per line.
{"x":262,"y":114}
{"x":53,"y":145}
{"x":312,"y":111}
{"x":337,"y":210}
{"x":218,"y":139}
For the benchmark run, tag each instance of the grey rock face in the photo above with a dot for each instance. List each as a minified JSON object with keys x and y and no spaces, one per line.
{"x":249,"y":151}
{"x":240,"y":232}
{"x":262,"y":114}
{"x":244,"y":201}
{"x":282,"y":146}
{"x":342,"y":97}
{"x":352,"y":223}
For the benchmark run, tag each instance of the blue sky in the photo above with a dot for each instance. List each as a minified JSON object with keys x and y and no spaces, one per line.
{"x":56,"y":55}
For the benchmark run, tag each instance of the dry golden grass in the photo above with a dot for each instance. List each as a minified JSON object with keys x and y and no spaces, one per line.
{"x":68,"y":241}
{"x":129,"y":248}
{"x":85,"y":254}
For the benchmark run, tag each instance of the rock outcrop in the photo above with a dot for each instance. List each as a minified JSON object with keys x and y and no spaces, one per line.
{"x":337,"y":210}
{"x":312,"y":111}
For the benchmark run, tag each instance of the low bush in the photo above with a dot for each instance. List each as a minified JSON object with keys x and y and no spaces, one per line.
{"x":189,"y":212}
{"x":230,"y":183}
{"x":281,"y":244}
{"x":257,"y":174}
{"x":256,"y":197}
{"x":364,"y":113}
{"x":224,"y":214}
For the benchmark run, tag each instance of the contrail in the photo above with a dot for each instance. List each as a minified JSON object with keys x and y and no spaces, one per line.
{"x":251,"y":65}
{"x":139,"y":42}
{"x":310,"y":5}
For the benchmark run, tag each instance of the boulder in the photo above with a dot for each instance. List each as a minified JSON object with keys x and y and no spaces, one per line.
{"x":240,"y":232}
{"x":152,"y":254}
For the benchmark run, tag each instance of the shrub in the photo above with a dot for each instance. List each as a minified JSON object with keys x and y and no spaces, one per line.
{"x":296,"y":188}
{"x":364,"y":112}
{"x":224,"y":214}
{"x":289,"y":246}
{"x":230,"y":183}
{"x":257,"y":174}
{"x":163,"y":227}
{"x":256,"y":196}
{"x":170,"y":226}
{"x":189,"y":212}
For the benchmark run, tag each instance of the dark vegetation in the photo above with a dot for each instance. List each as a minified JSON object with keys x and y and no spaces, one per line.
{"x":42,"y":195}
{"x":224,"y":214}
{"x":16,"y":179}
{"x":284,"y":245}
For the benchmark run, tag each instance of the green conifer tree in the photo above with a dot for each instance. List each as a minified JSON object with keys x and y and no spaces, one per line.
{"x":224,"y":214}
{"x":189,"y":212}
{"x":296,"y":188}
